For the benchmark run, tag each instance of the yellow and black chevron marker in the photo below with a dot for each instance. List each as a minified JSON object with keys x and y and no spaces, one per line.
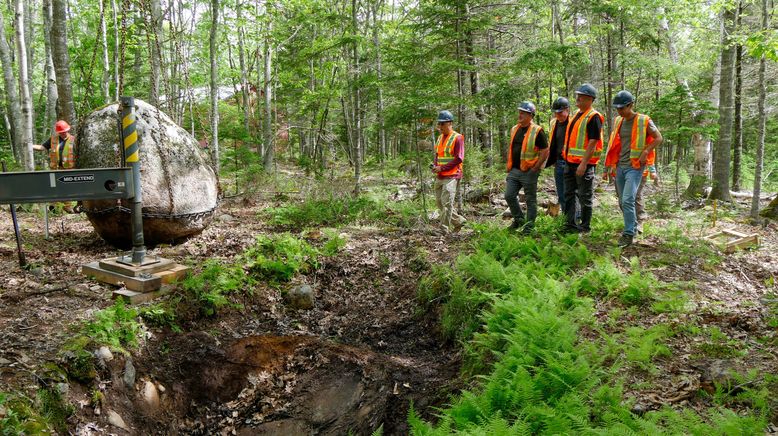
{"x":130,"y":136}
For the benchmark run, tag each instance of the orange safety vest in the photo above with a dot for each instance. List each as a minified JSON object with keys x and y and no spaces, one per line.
{"x":68,"y":156}
{"x":529,"y":152}
{"x":579,"y":137}
{"x":638,"y":143}
{"x":445,"y":153}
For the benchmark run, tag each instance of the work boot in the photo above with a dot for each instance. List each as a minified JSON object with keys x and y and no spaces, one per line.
{"x":625,"y":241}
{"x":516,"y":224}
{"x":527,"y":229}
{"x":569,"y":230}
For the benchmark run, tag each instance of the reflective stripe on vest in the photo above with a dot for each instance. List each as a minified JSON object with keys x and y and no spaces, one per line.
{"x":578,"y":135}
{"x":68,"y":157}
{"x":529,"y":153}
{"x":445,"y":153}
{"x":638,"y":138}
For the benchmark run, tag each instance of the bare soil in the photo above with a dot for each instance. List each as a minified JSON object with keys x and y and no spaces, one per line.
{"x":359,"y":358}
{"x":353,"y":363}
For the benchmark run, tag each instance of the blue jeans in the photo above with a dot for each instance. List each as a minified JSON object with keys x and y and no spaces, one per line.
{"x":627,"y":184}
{"x":515,"y":181}
{"x":559,"y":181}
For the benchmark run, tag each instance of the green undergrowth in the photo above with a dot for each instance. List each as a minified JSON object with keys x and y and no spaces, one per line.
{"x":272,"y":259}
{"x":45,"y":413}
{"x":338,"y":210}
{"x":519,"y":306}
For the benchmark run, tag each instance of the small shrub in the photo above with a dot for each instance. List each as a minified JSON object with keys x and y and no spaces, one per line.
{"x":719,"y":345}
{"x":278,"y":258}
{"x":161,"y":316}
{"x":116,"y":326}
{"x":55,"y":408}
{"x":20,"y":417}
{"x":209,"y":289}
{"x":642,"y":346}
{"x":334,"y":243}
{"x":331,"y":211}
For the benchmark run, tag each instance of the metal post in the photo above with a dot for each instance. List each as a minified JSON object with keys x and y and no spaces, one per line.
{"x":22,"y":260}
{"x":132,"y":159}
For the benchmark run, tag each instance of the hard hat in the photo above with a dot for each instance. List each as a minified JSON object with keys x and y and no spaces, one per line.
{"x":61,"y":126}
{"x":445,"y":116}
{"x":526,"y":106}
{"x":560,"y":104}
{"x":587,"y":89}
{"x":623,"y":99}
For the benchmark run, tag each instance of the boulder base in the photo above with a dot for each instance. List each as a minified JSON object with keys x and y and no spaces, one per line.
{"x":179,"y":188}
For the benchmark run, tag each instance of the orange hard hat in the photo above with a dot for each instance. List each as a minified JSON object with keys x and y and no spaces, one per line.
{"x":62,"y":126}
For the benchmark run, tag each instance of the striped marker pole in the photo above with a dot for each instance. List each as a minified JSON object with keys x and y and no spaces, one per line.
{"x":132,"y":160}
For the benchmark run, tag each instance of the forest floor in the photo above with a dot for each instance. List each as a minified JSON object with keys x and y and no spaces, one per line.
{"x":367,"y":350}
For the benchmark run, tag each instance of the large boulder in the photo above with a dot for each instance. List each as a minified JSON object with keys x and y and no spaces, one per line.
{"x":179,"y":187}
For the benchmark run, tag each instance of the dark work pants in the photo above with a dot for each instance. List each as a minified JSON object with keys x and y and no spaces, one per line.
{"x":516,"y":180}
{"x":559,"y":181}
{"x":582,"y":189}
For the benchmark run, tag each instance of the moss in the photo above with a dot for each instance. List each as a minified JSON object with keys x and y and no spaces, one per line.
{"x":696,"y":187}
{"x":79,"y":365}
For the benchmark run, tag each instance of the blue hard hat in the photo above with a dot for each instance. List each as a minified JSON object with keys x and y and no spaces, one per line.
{"x":560,"y":104}
{"x":526,"y":106}
{"x":623,"y":99}
{"x":587,"y":89}
{"x":445,"y":116}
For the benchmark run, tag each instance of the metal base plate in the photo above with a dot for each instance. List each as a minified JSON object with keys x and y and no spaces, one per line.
{"x":116,"y":265}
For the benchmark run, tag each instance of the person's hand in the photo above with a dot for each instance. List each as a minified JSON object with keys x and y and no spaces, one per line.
{"x":643,"y":158}
{"x":436,"y":169}
{"x":581,"y":170}
{"x":536,"y":169}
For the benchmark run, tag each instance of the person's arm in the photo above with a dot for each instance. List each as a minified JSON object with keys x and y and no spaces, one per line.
{"x":654,"y":133}
{"x":42,"y":147}
{"x":594,"y":131}
{"x":542,"y":144}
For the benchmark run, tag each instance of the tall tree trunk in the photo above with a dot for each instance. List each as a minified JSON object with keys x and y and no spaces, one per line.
{"x":27,"y":124}
{"x":29,"y":35}
{"x":59,"y":53}
{"x":737,"y":148}
{"x":269,"y":146}
{"x":726,"y":110}
{"x":214,"y":84}
{"x":105,"y":82}
{"x":115,"y":50}
{"x":558,"y":26}
{"x":244,"y":81}
{"x":155,"y":16}
{"x":357,"y":105}
{"x":13,"y":108}
{"x":762,"y":121}
{"x":475,"y":90}
{"x":51,"y":75}
{"x":379,"y":75}
{"x":700,"y":174}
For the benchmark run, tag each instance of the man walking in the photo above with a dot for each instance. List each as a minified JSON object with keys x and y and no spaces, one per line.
{"x":633,"y":140}
{"x":527,"y":153}
{"x":583,"y":145}
{"x":449,"y":157}
{"x":556,"y":143}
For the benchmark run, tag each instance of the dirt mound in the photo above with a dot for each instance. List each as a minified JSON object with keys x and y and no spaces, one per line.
{"x":280,"y":385}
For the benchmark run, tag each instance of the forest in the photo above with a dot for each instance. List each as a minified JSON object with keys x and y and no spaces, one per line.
{"x":285,"y":150}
